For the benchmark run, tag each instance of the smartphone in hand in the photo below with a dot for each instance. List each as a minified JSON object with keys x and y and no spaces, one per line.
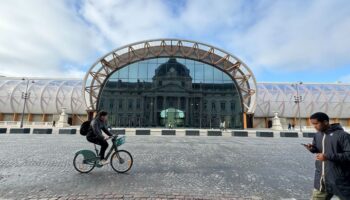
{"x":307,"y":146}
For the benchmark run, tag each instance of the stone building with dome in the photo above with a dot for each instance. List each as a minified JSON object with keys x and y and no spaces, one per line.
{"x":172,"y":98}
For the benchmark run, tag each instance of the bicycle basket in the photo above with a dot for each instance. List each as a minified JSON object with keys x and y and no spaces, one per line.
{"x":120,"y":141}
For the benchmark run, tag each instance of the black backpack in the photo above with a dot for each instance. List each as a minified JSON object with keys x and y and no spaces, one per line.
{"x":85,"y":128}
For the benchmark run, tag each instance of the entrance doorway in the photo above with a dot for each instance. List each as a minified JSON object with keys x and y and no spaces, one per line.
{"x":172,"y":118}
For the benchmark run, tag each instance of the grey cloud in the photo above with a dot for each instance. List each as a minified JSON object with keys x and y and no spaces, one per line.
{"x":44,"y":37}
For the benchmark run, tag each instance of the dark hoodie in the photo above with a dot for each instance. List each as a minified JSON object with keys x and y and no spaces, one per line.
{"x":97,"y":125}
{"x":333,"y":175}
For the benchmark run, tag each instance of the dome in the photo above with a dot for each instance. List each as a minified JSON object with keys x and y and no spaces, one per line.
{"x":172,"y":67}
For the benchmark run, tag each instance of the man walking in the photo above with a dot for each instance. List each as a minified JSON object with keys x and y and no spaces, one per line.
{"x":332,"y":148}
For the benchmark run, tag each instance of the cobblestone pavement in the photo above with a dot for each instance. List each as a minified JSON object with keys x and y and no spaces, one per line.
{"x":175,"y":196}
{"x":40,"y":166}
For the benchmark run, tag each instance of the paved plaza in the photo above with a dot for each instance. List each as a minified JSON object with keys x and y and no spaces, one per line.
{"x":40,"y":166}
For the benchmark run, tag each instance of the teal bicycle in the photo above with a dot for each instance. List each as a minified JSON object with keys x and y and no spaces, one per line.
{"x":121,"y":161}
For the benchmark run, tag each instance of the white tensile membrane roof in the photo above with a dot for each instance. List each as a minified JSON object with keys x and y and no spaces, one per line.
{"x":49,"y":96}
{"x":333,"y":99}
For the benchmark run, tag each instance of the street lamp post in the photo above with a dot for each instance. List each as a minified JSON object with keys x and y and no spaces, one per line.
{"x":297,"y":99}
{"x":25,"y":96}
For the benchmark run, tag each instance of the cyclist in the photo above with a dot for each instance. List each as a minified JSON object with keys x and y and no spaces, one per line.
{"x":95,"y":135}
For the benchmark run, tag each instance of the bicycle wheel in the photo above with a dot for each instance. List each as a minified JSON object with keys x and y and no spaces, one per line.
{"x":82,"y":165}
{"x":123,"y":165}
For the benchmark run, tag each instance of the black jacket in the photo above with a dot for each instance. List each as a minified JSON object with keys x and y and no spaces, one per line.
{"x":96,"y":126}
{"x":336,"y":169}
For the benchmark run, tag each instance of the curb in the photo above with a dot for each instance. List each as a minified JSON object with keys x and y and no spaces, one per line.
{"x":167,"y":132}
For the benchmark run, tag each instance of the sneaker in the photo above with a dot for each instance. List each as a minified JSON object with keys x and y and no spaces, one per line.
{"x":104,"y":162}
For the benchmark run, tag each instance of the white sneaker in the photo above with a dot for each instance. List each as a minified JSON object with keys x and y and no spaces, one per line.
{"x":104,"y":162}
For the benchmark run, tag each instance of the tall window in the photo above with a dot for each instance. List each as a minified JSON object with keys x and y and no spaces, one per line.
{"x":130,"y":101}
{"x":121,"y":104}
{"x":138,"y":104}
{"x":223,"y":106}
{"x":232,"y":106}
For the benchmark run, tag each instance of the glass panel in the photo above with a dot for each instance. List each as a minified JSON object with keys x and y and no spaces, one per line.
{"x":199,"y":73}
{"x":115,"y":75}
{"x":124,"y":73}
{"x":208,"y":74}
{"x":171,"y":92}
{"x":133,"y":71}
{"x":190,"y":66}
{"x":151,"y":71}
{"x":226,"y":78}
{"x":143,"y":71}
{"x":218,"y":76}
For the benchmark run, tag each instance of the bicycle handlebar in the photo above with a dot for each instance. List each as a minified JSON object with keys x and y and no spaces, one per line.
{"x":111,"y":137}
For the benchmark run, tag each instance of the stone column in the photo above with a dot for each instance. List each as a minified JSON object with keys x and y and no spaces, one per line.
{"x":142,"y":112}
{"x":200,"y":112}
{"x":15,"y":117}
{"x":176,"y":111}
{"x":165,"y":106}
{"x":155,"y":111}
{"x":187,"y":112}
{"x":43,"y":119}
{"x":191,"y":113}
{"x":150,"y":110}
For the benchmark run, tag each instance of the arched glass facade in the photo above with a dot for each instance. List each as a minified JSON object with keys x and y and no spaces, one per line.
{"x":171,"y":92}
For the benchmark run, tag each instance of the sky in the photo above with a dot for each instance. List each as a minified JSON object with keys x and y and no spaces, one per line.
{"x":280,"y":40}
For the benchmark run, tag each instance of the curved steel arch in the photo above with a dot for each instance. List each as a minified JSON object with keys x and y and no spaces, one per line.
{"x":2,"y":84}
{"x":99,"y":72}
{"x":74,"y":102}
{"x":13,"y":94}
{"x":42,"y":96}
{"x":57,"y":100}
